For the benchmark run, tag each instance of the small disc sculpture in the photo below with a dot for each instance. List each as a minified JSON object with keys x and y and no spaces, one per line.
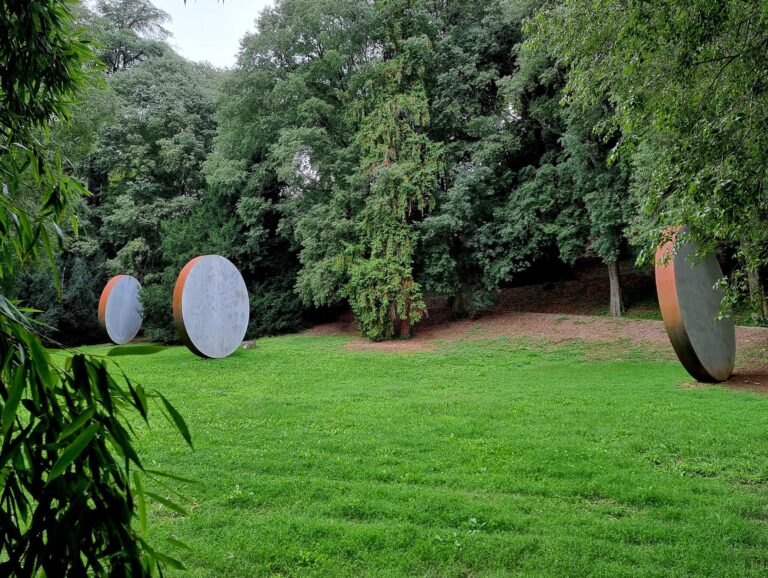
{"x":120,"y":309}
{"x":210,"y":306}
{"x":690,"y":304}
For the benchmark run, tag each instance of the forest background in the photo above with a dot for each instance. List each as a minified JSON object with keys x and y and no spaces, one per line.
{"x":377,"y":155}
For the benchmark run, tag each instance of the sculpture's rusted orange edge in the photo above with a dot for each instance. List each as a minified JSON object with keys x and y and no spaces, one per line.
{"x":104,"y":299}
{"x":178,"y":315}
{"x":666,"y":288}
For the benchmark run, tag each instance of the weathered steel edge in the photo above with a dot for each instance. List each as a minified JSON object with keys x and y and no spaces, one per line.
{"x":178,"y":313}
{"x":666,"y":289}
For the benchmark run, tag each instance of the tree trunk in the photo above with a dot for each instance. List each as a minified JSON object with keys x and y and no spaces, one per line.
{"x":458,"y":310}
{"x":617,"y":301}
{"x":402,"y":325}
{"x":394,"y":320}
{"x":757,"y":297}
{"x":405,"y":328}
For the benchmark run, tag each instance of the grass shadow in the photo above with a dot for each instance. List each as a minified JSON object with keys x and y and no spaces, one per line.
{"x":123,"y":350}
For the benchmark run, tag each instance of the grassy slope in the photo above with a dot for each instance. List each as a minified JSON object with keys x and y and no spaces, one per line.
{"x":485,"y":458}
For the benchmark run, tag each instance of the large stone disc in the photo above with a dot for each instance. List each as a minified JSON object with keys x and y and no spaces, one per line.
{"x":210,"y":306}
{"x":690,"y":304}
{"x":120,"y":309}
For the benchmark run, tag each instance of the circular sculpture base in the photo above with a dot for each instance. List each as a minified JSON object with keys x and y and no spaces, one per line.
{"x":690,"y":304}
{"x":120,"y":309}
{"x":210,"y":306}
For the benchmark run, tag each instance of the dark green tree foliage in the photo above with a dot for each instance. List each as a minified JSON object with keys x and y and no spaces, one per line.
{"x":687,"y":82}
{"x":284,"y":170}
{"x":66,"y":314}
{"x":527,"y":179}
{"x":67,"y":309}
{"x":401,"y":166}
{"x":467,"y":244}
{"x":145,"y":168}
{"x":67,"y":498}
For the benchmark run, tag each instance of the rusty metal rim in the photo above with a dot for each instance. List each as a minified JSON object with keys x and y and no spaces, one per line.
{"x":103,"y":300}
{"x":178,"y":313}
{"x":669,"y":303}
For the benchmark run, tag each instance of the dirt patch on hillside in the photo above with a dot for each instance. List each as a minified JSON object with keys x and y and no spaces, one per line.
{"x":554,"y":328}
{"x":559,"y":313}
{"x":585,"y":294}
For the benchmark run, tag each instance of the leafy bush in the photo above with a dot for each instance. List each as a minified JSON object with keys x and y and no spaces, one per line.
{"x":275,"y":309}
{"x":72,"y":316}
{"x":157,"y":306}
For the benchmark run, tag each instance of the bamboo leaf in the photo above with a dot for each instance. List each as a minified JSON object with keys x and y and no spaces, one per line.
{"x":14,"y":397}
{"x":177,"y":420}
{"x":73,"y":450}
{"x":167,"y":560}
{"x":167,"y":503}
{"x":141,"y":503}
{"x":179,"y":544}
{"x":171,"y":476}
{"x":163,"y":558}
{"x":77,"y":423}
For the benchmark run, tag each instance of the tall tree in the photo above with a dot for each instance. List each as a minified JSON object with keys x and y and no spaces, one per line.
{"x":687,"y":82}
{"x":130,"y":32}
{"x":462,"y":253}
{"x":284,"y":163}
{"x":401,"y":166}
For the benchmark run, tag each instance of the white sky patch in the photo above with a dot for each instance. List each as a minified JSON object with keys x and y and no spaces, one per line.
{"x":308,"y":174}
{"x":210,"y":30}
{"x":509,"y":116}
{"x":512,"y":114}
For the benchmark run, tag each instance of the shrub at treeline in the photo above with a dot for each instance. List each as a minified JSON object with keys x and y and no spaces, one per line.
{"x":377,"y":153}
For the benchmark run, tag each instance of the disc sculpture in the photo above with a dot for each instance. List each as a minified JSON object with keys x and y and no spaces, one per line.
{"x":120,"y":309}
{"x":690,"y":304}
{"x":210,"y":306}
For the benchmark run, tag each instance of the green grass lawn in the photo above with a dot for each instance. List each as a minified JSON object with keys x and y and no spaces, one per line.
{"x":487,"y":458}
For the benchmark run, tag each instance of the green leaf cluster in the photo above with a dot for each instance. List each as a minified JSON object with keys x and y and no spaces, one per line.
{"x":686,"y":84}
{"x":67,"y":507}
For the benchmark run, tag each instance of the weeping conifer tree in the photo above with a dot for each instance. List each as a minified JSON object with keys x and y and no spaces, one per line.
{"x":403,"y":167}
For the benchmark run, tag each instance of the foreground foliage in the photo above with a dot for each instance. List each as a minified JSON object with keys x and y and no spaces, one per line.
{"x":482,"y":458}
{"x":68,"y":506}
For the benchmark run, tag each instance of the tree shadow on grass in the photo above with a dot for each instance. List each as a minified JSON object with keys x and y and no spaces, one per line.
{"x":122,"y":350}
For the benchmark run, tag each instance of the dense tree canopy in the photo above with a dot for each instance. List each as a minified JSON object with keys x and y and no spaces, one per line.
{"x":378,"y":155}
{"x":687,"y":84}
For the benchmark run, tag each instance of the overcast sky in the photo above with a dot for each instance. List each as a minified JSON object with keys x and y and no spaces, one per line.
{"x":209,"y":29}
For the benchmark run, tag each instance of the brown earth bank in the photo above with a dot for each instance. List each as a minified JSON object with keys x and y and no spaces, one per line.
{"x":559,"y":313}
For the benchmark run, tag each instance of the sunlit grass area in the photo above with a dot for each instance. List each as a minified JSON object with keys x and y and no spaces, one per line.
{"x":485,"y":458}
